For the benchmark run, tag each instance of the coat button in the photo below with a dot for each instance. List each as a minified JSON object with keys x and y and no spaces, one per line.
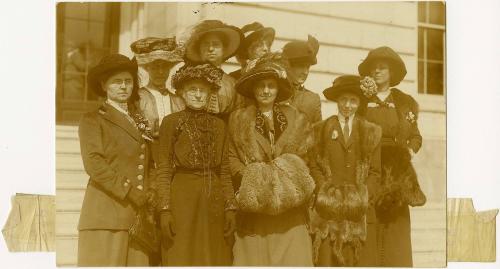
{"x":139,"y":187}
{"x":125,"y":184}
{"x":141,"y":156}
{"x":140,"y":166}
{"x":143,"y":146}
{"x":348,"y":165}
{"x":139,"y":177}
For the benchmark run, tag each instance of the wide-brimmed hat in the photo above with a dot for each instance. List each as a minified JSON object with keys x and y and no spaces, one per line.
{"x":254,"y":32}
{"x":149,"y":49}
{"x":269,"y":65}
{"x":206,"y":72}
{"x":108,"y":65}
{"x":232,"y":37}
{"x":344,"y":84}
{"x":302,"y":51}
{"x":396,"y":64}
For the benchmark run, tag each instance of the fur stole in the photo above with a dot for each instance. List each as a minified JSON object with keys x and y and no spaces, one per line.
{"x":340,"y":210}
{"x":274,"y":187}
{"x":341,"y":233}
{"x":297,"y":138}
{"x":348,"y":201}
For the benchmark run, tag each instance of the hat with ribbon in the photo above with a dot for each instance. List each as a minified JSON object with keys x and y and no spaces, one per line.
{"x":271,"y":65}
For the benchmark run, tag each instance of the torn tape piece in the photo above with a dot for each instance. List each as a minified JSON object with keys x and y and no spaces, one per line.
{"x":471,"y":234}
{"x":31,"y":223}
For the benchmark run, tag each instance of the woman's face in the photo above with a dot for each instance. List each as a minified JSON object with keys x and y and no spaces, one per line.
{"x":381,"y":73}
{"x":119,"y":86}
{"x":212,"y":49}
{"x":257,"y":49}
{"x":158,"y":71}
{"x":195,"y":93}
{"x":265,"y":91}
{"x":298,"y":72}
{"x":348,"y":104}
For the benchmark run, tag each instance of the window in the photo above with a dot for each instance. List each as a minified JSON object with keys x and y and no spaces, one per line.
{"x":85,"y":33}
{"x":431,"y":48}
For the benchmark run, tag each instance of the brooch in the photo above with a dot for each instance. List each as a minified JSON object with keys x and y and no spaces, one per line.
{"x":411,"y":117}
{"x":335,"y":134}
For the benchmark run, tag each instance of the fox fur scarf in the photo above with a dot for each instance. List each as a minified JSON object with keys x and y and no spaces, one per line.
{"x":340,"y":211}
{"x":272,"y":185}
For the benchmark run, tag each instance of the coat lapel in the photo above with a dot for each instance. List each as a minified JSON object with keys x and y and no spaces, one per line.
{"x":264,"y":144}
{"x":116,"y":117}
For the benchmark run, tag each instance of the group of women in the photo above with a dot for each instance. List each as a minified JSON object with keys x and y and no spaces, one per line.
{"x":238,"y":169}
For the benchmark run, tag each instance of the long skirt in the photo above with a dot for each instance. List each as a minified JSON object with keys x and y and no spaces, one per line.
{"x":109,"y":248}
{"x":281,"y":240}
{"x":198,"y":213}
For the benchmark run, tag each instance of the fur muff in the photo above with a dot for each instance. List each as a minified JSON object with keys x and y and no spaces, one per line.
{"x":399,"y":184}
{"x":347,"y":201}
{"x":275,"y":187}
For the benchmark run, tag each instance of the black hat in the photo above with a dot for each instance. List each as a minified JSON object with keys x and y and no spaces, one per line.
{"x":302,"y":51}
{"x":232,"y":36}
{"x":396,"y":64}
{"x":269,"y":65}
{"x":110,"y":64}
{"x":344,"y":84}
{"x":258,"y":31}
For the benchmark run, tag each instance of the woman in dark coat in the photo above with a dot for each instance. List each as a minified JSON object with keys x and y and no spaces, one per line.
{"x":115,"y":155}
{"x":194,"y":181}
{"x":397,"y":114}
{"x":347,"y":150}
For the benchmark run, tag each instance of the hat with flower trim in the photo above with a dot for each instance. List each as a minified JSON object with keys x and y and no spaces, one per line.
{"x":205,"y":72}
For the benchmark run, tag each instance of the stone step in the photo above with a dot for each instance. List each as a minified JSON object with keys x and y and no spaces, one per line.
{"x":66,"y":251}
{"x":64,"y":145}
{"x":75,"y":180}
{"x":434,"y":259}
{"x":69,"y":200}
{"x":67,"y":224}
{"x":428,"y":240}
{"x":69,"y":162}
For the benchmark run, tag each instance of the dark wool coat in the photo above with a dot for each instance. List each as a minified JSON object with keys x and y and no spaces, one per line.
{"x":116,"y":157}
{"x":306,"y":102}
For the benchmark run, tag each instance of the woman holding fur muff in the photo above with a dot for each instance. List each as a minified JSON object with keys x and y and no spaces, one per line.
{"x":397,"y":114}
{"x":347,"y":151}
{"x":268,"y":145}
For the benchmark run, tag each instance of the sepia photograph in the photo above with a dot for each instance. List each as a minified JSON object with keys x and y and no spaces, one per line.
{"x":251,"y":134}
